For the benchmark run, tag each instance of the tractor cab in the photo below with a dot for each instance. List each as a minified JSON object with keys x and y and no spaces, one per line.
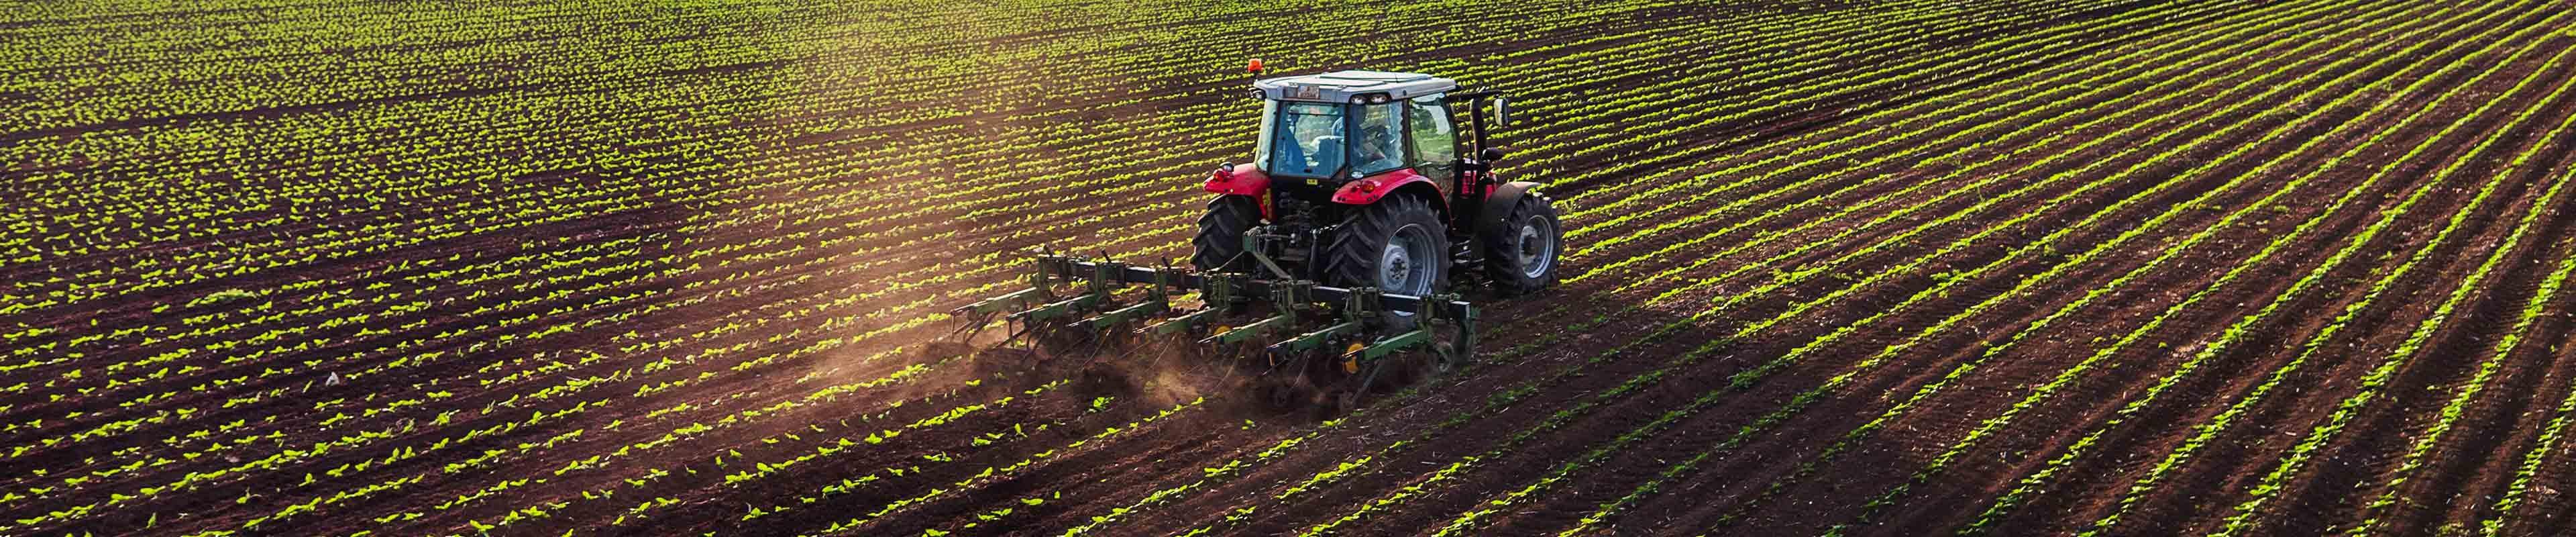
{"x":1364,"y":130}
{"x":1348,"y":124}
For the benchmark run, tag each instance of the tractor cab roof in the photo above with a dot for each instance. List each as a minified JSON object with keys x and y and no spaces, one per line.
{"x":1352,"y":86}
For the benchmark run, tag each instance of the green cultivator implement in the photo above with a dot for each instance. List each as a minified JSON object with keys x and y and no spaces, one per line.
{"x":1305,"y":335}
{"x":1333,"y":252}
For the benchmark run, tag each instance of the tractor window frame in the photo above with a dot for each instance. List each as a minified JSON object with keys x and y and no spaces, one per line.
{"x":1279,"y":124}
{"x":1434,"y":109}
{"x":1261,"y":143}
{"x":1400,"y":155}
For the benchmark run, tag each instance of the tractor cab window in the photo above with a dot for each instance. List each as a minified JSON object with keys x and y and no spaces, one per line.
{"x":1435,"y":143}
{"x":1381,"y":146}
{"x":1302,"y":139}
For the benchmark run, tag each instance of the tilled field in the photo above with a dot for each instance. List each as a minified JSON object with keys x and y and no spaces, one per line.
{"x":2099,"y":267}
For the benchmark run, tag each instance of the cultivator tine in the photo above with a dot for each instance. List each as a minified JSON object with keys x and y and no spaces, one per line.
{"x":1462,"y":349}
{"x":1182,"y":324}
{"x":1421,"y":335}
{"x":1104,"y":321}
{"x":1352,"y":400}
{"x":1391,"y":345}
{"x":1217,"y":292}
{"x":980,"y":313}
{"x":1105,"y":277}
{"x":1097,"y":286}
{"x":1246,"y":332}
{"x":1303,"y":324}
{"x":1057,"y":309}
{"x":1286,"y":298}
{"x":1314,"y":340}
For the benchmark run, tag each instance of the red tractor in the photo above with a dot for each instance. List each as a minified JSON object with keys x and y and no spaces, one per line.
{"x":1333,"y":250}
{"x":1366,"y":181}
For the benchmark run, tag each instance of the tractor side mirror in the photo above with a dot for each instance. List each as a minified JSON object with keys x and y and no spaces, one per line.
{"x":1490,"y":154}
{"x":1502,"y":111}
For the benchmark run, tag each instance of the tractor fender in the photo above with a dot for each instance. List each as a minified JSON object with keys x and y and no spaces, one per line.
{"x":1239,"y":180}
{"x":1367,"y":190}
{"x":1498,"y":205}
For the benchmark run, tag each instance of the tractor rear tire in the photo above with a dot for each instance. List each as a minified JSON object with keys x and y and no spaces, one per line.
{"x":1219,"y":246}
{"x":1397,"y":245}
{"x":1521,"y":256}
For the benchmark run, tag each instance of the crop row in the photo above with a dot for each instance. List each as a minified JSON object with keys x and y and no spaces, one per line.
{"x":1508,"y":391}
{"x":1942,"y":288}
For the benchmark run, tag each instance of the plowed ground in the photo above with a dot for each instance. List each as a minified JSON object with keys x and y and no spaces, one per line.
{"x":1852,"y":268}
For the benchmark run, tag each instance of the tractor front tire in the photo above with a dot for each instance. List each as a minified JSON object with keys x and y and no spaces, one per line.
{"x":1397,"y":245}
{"x":1521,"y":254}
{"x":1219,"y":245}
